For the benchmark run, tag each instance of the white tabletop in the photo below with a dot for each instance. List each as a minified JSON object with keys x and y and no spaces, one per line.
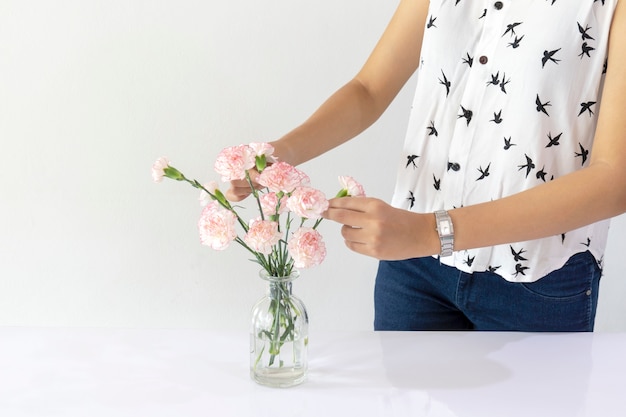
{"x":188,"y":373}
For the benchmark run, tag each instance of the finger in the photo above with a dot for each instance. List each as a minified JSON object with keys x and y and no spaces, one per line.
{"x":237,"y":194}
{"x":357,"y":247}
{"x":350,"y":203}
{"x":353,"y":234}
{"x":347,"y":217}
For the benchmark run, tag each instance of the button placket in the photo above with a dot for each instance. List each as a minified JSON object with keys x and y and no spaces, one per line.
{"x":459,"y":165}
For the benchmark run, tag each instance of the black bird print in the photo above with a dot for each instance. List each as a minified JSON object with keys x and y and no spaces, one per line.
{"x":431,"y":22}
{"x":585,"y":50}
{"x":483,"y":172}
{"x":504,"y":83}
{"x":508,"y":144}
{"x":445,"y":83}
{"x":588,"y":243}
{"x":584,"y":31}
{"x":606,"y":64}
{"x":431,"y":129}
{"x":553,"y":141}
{"x":541,"y":107}
{"x":469,"y":60}
{"x":493,"y":269}
{"x":562,"y":237}
{"x":511,"y":28}
{"x":586,"y":107}
{"x":469,"y":261}
{"x":519,"y":269}
{"x":517,"y":256}
{"x":497,"y":117}
{"x":495,"y":79}
{"x":549,"y":56}
{"x":541,"y":175}
{"x":411,"y":161}
{"x":584,"y":153}
{"x":483,"y":15}
{"x":467,"y":114}
{"x":411,"y":199}
{"x":436,"y":183}
{"x":529,"y":165}
{"x":515,"y":43}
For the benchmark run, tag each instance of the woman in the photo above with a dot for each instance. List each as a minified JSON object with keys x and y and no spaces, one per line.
{"x":514,"y":159}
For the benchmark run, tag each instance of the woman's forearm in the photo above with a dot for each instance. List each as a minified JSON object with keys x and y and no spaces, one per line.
{"x":348,"y":112}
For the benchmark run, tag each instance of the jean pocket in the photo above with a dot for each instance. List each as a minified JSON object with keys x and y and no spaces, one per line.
{"x":574,"y":279}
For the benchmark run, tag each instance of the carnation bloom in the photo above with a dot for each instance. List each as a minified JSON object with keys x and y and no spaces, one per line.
{"x":216,"y":226}
{"x":271,"y":204}
{"x":262,"y":148}
{"x":233,"y":162}
{"x":307,"y":202}
{"x":262,"y":235}
{"x":307,"y":247}
{"x":282,"y":177}
{"x":158,"y":169}
{"x":351,"y":187}
{"x":204,"y":197}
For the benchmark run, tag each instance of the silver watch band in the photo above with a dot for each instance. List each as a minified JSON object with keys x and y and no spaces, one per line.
{"x":445,"y":230}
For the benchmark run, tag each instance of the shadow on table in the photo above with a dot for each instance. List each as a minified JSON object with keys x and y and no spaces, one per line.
{"x":504,"y":374}
{"x":443,"y":360}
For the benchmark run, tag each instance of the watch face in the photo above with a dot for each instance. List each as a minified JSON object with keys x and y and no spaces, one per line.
{"x":444,"y":227}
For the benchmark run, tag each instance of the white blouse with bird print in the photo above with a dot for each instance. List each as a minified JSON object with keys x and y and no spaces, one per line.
{"x":507,"y":98}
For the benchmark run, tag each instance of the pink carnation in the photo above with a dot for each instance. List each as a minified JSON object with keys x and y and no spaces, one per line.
{"x":233,"y":162}
{"x":307,"y":202}
{"x":352,"y":187}
{"x":262,"y":235}
{"x":307,"y":248}
{"x":282,"y":177}
{"x":158,"y":167}
{"x":270,"y":204}
{"x":216,"y":226}
{"x":262,"y":148}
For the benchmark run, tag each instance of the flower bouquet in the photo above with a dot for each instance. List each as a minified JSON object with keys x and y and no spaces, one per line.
{"x":282,"y":239}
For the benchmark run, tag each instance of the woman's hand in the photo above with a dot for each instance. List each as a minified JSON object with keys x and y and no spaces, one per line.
{"x":374,"y":228}
{"x":240,"y":189}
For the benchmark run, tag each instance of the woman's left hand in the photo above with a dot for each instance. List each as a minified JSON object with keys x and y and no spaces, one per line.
{"x":374,"y":228}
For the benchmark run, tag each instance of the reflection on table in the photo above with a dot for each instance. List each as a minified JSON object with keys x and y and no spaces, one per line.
{"x":140,"y":372}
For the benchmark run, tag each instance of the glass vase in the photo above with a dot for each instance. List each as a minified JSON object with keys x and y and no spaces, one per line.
{"x":279,"y":335}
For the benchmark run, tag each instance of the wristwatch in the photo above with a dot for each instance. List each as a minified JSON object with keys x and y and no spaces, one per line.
{"x":445,"y":231}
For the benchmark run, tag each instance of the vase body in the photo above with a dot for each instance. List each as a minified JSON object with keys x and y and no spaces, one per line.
{"x":279,"y":335}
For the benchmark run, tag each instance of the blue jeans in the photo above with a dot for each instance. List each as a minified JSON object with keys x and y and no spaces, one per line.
{"x":422,"y":294}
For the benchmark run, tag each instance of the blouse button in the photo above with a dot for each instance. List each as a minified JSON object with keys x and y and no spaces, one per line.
{"x":483,"y":59}
{"x":454,"y":166}
{"x":498,"y":5}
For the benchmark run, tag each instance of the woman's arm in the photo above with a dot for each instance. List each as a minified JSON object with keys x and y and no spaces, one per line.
{"x":360,"y":102}
{"x":591,"y":194}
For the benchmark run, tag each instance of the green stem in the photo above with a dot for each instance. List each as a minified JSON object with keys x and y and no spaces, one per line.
{"x":255,"y":193}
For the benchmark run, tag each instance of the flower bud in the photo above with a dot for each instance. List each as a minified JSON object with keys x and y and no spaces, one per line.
{"x":173,"y":173}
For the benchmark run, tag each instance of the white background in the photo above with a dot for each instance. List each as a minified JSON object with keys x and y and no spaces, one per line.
{"x":93,"y":91}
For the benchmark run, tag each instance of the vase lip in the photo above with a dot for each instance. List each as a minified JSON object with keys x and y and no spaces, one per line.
{"x":267,"y":277}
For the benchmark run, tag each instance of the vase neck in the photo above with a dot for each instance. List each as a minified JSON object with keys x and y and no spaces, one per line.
{"x":279,"y":286}
{"x":279,"y":289}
